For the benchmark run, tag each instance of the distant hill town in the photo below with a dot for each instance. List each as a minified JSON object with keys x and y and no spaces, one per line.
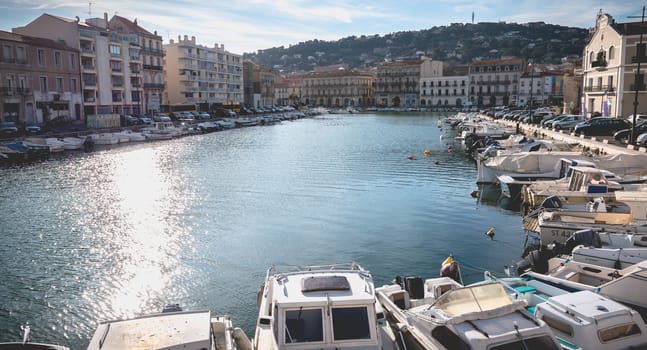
{"x":456,"y":43}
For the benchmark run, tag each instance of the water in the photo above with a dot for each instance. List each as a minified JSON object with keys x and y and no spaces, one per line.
{"x":197,"y":221}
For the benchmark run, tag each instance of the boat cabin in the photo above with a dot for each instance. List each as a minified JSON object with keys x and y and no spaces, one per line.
{"x":593,"y":321}
{"x":318,"y":310}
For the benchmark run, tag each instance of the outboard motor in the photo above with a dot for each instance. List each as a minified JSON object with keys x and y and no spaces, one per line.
{"x":585,"y":237}
{"x":536,"y":260}
{"x":415,"y":287}
{"x":552,"y":202}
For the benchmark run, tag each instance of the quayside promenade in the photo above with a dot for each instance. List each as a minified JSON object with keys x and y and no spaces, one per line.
{"x":603,"y":144}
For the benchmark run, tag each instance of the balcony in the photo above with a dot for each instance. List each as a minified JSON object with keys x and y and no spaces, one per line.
{"x":89,"y":99}
{"x":152,"y":67}
{"x":599,"y":88}
{"x":153,"y":86}
{"x":599,"y":64}
{"x":24,"y":91}
{"x":641,"y":87}
{"x":152,"y":51}
{"x":635,"y":59}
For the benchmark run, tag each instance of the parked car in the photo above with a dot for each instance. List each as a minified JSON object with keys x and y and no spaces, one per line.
{"x":549,"y":119}
{"x":601,"y":126}
{"x":568,"y":122}
{"x":624,"y":134}
{"x":161,"y":117}
{"x":8,"y":129}
{"x":130,"y":120}
{"x":145,"y":120}
{"x":639,"y":118}
{"x":549,"y":123}
{"x":641,"y":140}
{"x":225,"y":113}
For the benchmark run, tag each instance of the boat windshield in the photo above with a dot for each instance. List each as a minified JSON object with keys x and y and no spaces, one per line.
{"x":350,"y":323}
{"x":538,"y":343}
{"x":303,"y":326}
{"x":473,"y":299}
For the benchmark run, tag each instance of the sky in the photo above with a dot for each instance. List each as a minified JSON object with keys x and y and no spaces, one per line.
{"x":245,"y":26}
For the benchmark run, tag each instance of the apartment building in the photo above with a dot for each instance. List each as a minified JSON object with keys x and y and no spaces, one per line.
{"x":259,"y":88}
{"x":197,"y":74}
{"x":496,"y":82}
{"x":449,"y":89}
{"x":151,"y":70}
{"x":39,"y":79}
{"x":610,"y":63}
{"x":110,"y":61}
{"x":340,"y":88}
{"x":398,"y":83}
{"x":288,"y":91}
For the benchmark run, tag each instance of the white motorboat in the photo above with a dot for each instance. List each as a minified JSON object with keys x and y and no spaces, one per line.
{"x":524,"y":164}
{"x":627,"y":285}
{"x":579,"y":320}
{"x":131,"y":136}
{"x":226,"y":123}
{"x":199,"y":330}
{"x":72,"y":143}
{"x":104,"y":139}
{"x":617,"y":258}
{"x":445,"y":315}
{"x":54,"y":144}
{"x":319,"y":307}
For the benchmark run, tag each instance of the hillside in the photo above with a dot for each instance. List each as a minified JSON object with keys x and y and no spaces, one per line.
{"x":459,"y":43}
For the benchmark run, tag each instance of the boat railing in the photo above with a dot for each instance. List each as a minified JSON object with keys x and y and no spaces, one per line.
{"x":292,"y":269}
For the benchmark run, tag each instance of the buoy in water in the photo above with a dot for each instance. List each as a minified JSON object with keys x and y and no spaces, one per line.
{"x":437,"y":162}
{"x":490,"y":233}
{"x":442,"y":137}
{"x":427,"y":152}
{"x":410,"y":157}
{"x":474,"y":193}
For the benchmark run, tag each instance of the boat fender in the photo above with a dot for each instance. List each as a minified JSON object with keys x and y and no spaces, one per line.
{"x":241,"y":339}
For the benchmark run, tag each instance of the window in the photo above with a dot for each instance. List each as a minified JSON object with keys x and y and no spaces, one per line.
{"x":43,"y":84}
{"x":558,"y":325}
{"x":20,"y":55}
{"x":350,"y":323}
{"x":115,"y":50}
{"x":59,"y":84}
{"x":72,"y":60}
{"x":303,"y":326}
{"x":41,"y":57}
{"x":57,"y":59}
{"x":73,"y":85}
{"x":617,"y":332}
{"x":641,"y":50}
{"x":6,"y":54}
{"x":115,"y":66}
{"x":611,"y":52}
{"x":610,"y":83}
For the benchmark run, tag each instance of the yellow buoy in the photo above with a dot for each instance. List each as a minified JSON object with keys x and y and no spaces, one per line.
{"x":442,"y":137}
{"x":490,"y":233}
{"x":427,"y":152}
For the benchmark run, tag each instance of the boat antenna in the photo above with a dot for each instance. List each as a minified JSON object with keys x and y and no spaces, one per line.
{"x":523,"y":342}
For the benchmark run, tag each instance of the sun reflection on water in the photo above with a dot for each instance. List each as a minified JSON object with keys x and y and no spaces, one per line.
{"x":149,"y":249}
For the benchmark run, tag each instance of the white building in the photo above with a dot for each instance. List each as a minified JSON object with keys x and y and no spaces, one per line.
{"x":197,"y":74}
{"x":450,"y":89}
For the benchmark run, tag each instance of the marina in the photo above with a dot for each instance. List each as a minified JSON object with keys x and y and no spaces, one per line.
{"x":100,"y":241}
{"x":124,"y":230}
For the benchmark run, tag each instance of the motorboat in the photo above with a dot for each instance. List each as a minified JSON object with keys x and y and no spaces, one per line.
{"x":626,"y":285}
{"x":27,"y":344}
{"x":579,"y":320}
{"x":54,"y":144}
{"x":226,"y":123}
{"x":104,"y":139}
{"x":132,"y":136}
{"x":442,"y":314}
{"x":530,"y":165}
{"x":170,"y":329}
{"x":72,"y":143}
{"x":319,"y":307}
